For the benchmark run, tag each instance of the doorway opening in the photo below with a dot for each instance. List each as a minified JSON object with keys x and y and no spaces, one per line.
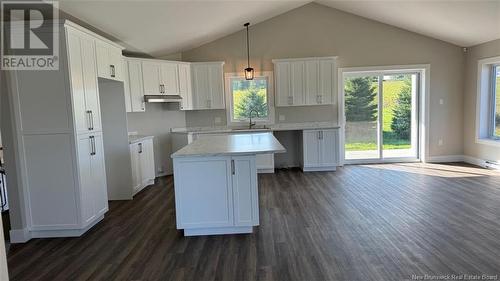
{"x":382,"y":116}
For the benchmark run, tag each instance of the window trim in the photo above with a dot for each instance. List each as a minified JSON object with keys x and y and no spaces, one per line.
{"x":485,"y":101}
{"x":493,"y":100}
{"x":228,"y":77}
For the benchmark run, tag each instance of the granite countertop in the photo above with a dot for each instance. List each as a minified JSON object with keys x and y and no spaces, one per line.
{"x":273,"y":127}
{"x":231,"y":144}
{"x":138,"y":138}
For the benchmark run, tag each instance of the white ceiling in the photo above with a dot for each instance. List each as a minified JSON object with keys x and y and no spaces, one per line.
{"x":164,"y":27}
{"x":169,"y":26}
{"x":464,"y":23}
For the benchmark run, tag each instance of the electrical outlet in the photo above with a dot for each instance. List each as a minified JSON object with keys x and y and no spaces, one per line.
{"x":217,"y":120}
{"x":440,"y":142}
{"x":282,"y":117}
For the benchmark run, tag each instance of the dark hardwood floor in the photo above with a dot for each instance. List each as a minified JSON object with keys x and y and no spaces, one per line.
{"x":371,"y":222}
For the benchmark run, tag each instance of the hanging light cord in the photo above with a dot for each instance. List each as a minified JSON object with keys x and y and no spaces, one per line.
{"x":248,"y":46}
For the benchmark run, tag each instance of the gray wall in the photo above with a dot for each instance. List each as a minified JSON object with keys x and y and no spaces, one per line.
{"x":317,"y":30}
{"x":471,"y":148}
{"x":158,"y":119}
{"x":115,"y":139}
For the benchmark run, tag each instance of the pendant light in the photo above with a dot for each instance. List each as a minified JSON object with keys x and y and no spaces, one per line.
{"x":248,"y":70}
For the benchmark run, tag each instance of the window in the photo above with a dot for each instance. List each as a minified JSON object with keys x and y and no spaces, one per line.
{"x":249,"y":98}
{"x":495,"y":104}
{"x":488,"y":102}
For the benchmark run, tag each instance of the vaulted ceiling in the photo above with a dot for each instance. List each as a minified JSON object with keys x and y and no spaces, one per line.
{"x":163,"y":27}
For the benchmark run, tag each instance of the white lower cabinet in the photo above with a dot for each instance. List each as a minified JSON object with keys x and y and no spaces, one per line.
{"x":216,"y":195}
{"x":319,"y":150}
{"x":143,"y":166}
{"x":94,"y":197}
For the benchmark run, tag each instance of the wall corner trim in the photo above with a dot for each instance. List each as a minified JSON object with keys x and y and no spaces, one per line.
{"x":20,"y":235}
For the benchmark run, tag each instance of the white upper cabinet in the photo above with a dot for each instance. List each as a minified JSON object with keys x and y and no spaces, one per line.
{"x":207,"y":85}
{"x":151,"y":78}
{"x":169,"y":78}
{"x":185,"y":88}
{"x":134,"y":88}
{"x":85,"y":92}
{"x":109,"y":61}
{"x":307,"y":81}
{"x":160,"y":78}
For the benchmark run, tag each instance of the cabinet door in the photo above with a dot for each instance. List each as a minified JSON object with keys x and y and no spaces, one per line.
{"x":85,"y":148}
{"x":170,"y":78}
{"x":311,"y":147}
{"x":244,"y":180}
{"x":135,"y":86}
{"x":329,"y":148}
{"x":151,"y":78}
{"x":115,"y":63}
{"x":81,"y":118}
{"x":200,"y":87}
{"x":136,"y":166}
{"x":146,"y":161}
{"x":215,"y":73}
{"x":283,"y":97}
{"x":126,"y":88}
{"x":326,"y":79}
{"x":312,"y":82}
{"x":203,"y":192}
{"x":103,"y":69}
{"x":90,"y":83}
{"x":185,"y":86}
{"x":98,"y":171}
{"x":297,"y":82}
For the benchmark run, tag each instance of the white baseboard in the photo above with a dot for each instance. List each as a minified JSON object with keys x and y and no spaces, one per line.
{"x":445,"y":159}
{"x":19,"y":235}
{"x":462,"y":158}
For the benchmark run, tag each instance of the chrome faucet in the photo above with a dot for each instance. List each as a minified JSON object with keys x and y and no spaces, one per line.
{"x":250,"y":125}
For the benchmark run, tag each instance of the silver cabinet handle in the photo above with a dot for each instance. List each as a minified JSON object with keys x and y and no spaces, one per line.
{"x":92,"y":144}
{"x":140,"y":148}
{"x":321,"y":134}
{"x":319,"y":99}
{"x":112,"y":67}
{"x":290,"y":100}
{"x":89,"y":120}
{"x":232,"y":167}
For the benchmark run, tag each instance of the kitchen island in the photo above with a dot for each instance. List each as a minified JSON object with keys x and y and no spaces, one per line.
{"x":215,"y":181}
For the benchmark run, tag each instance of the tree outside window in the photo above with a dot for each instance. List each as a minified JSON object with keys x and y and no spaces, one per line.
{"x":249,"y":96}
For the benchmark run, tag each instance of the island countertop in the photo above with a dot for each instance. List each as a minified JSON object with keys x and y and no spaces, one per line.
{"x":232,"y":144}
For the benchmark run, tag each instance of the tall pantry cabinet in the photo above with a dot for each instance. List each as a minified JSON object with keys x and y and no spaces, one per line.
{"x":58,"y":127}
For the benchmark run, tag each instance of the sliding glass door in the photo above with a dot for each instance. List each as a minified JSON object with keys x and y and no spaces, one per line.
{"x":381,"y":113}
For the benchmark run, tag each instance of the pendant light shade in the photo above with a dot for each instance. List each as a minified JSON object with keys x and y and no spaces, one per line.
{"x":248,"y":71}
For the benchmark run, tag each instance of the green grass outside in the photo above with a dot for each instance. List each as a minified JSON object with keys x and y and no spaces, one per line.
{"x":391,"y":140}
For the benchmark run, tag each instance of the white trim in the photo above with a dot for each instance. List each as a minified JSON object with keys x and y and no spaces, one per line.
{"x":381,"y":161}
{"x":483,"y":102}
{"x":423,"y":70}
{"x":446,"y":159}
{"x":19,"y":235}
{"x":268,"y":75}
{"x":301,"y":59}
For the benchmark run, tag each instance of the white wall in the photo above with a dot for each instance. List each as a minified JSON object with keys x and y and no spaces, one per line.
{"x":317,"y":30}
{"x":471,"y":148}
{"x":158,"y":119}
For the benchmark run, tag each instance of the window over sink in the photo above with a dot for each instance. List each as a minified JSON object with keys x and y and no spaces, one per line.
{"x":249,"y":98}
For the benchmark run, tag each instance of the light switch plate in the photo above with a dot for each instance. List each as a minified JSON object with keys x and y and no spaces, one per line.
{"x":441,"y":101}
{"x":440,"y":142}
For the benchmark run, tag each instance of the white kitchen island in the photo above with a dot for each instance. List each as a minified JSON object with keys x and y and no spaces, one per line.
{"x":215,"y":181}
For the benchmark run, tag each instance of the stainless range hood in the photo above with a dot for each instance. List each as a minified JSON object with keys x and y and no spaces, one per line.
{"x":162,"y":98}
